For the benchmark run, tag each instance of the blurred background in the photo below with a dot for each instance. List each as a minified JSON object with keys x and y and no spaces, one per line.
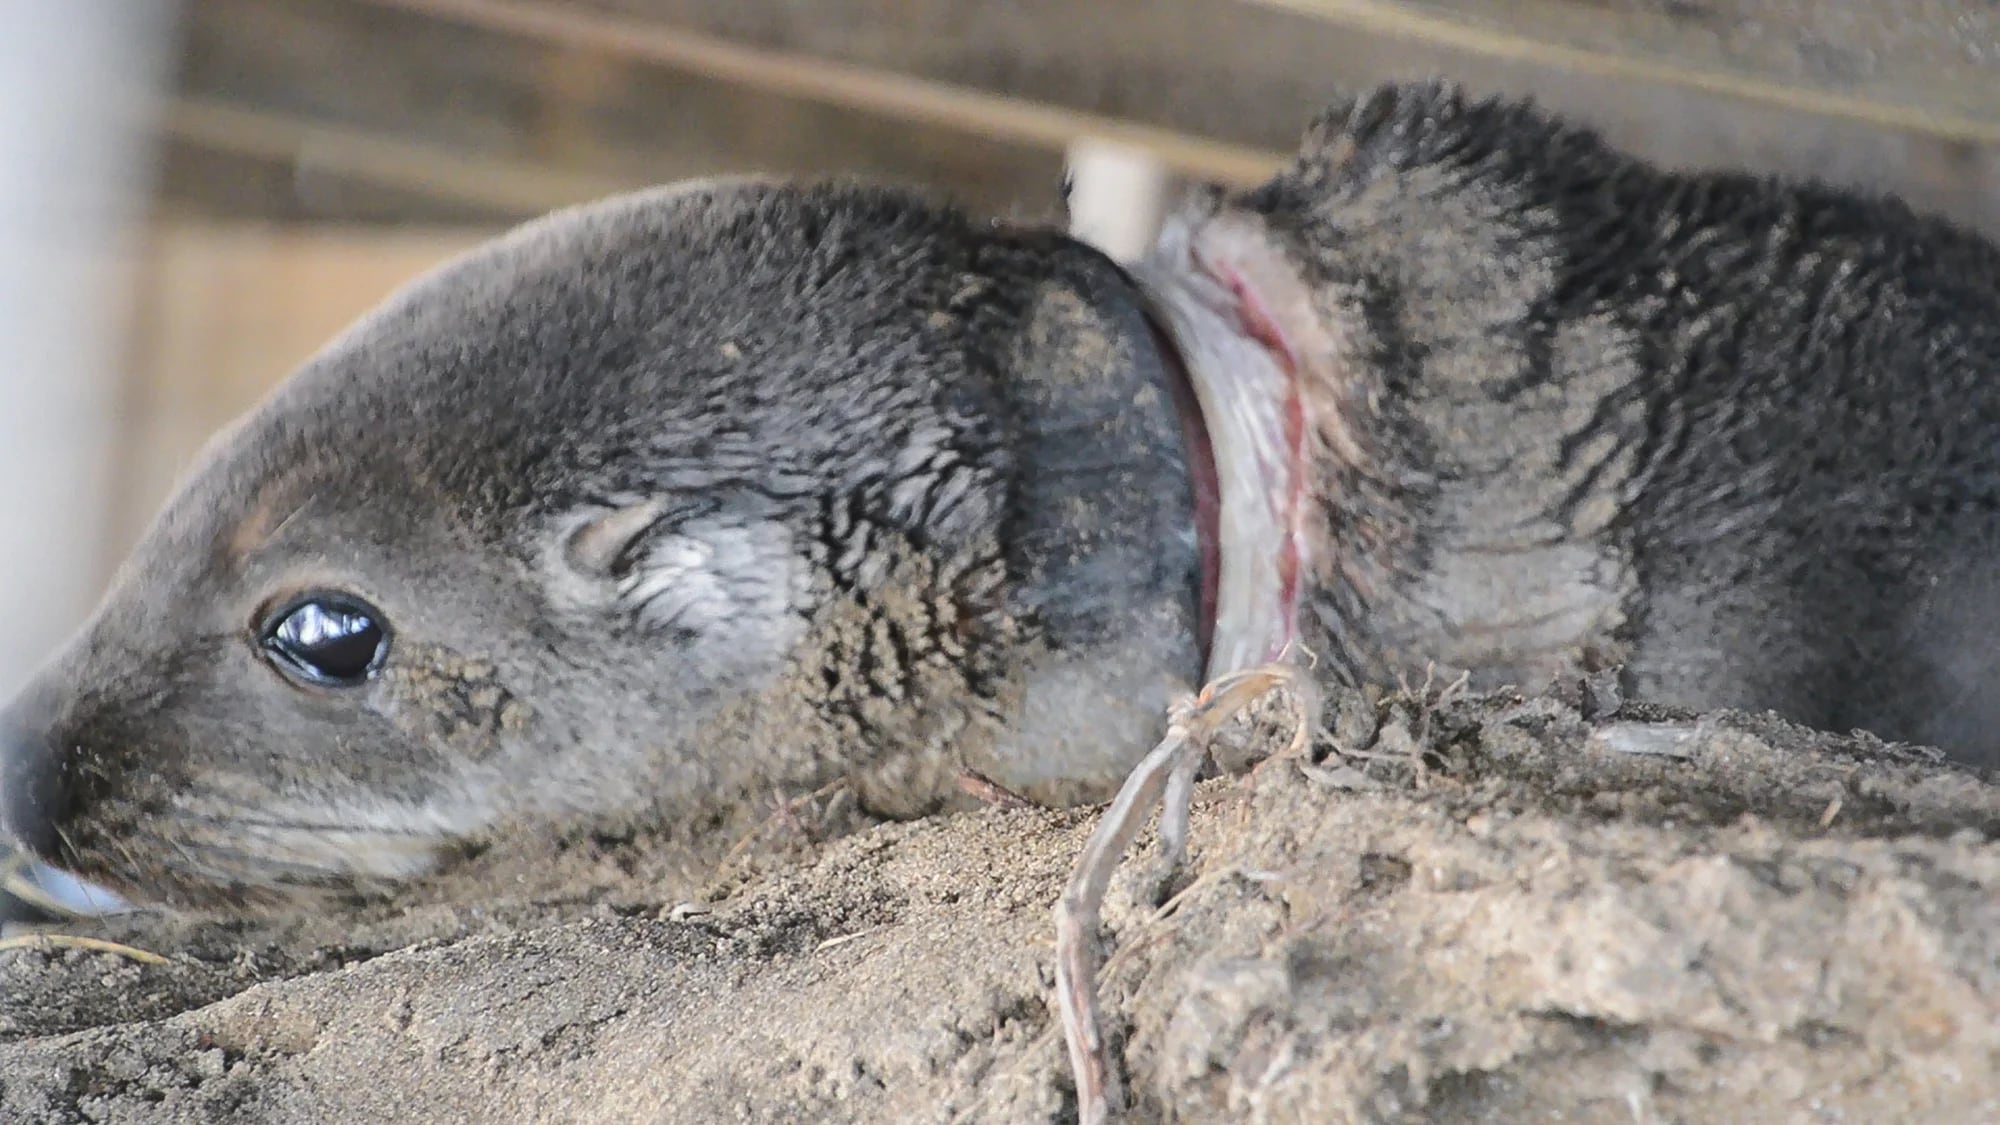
{"x":195,"y":195}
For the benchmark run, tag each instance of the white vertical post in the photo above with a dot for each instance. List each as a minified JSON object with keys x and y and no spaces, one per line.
{"x":79,"y":84}
{"x":1117,"y":196}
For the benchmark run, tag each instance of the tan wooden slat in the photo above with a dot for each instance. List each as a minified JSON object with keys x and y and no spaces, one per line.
{"x":1928,"y":65}
{"x":513,"y":124}
{"x":922,"y":96}
{"x":1250,"y":73}
{"x":226,"y":310}
{"x":506,"y":186}
{"x":457,"y":97}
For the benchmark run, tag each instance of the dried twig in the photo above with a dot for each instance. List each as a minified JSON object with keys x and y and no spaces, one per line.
{"x":784,"y":814}
{"x":50,"y":942}
{"x":1158,"y":926}
{"x":1167,"y":771}
{"x":843,"y":939}
{"x":977,"y":784}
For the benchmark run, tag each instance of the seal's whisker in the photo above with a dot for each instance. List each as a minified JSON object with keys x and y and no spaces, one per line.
{"x":223,"y":820}
{"x":235,"y":868}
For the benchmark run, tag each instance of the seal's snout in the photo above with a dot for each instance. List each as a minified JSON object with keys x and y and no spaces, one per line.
{"x":31,"y":787}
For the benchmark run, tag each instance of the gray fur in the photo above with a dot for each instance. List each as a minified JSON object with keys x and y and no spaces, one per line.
{"x":1739,"y":436}
{"x":862,"y":472}
{"x":700,"y":491}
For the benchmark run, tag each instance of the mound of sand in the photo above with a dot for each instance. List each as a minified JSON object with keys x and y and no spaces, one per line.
{"x":1490,"y":909}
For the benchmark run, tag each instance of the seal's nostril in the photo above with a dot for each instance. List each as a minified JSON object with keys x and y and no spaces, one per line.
{"x":31,"y":788}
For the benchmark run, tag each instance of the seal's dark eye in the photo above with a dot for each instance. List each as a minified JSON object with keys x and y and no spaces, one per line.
{"x":328,"y":639}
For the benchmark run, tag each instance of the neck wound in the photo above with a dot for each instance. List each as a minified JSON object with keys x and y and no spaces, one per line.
{"x":1248,"y":453}
{"x":1206,"y":485}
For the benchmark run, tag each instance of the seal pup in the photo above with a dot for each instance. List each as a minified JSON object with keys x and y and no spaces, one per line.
{"x":661,"y":501}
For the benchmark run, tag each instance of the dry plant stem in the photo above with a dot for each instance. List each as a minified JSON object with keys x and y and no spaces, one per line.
{"x":1177,"y":806}
{"x":976,"y":784}
{"x":1157,"y":927}
{"x":1076,"y":922}
{"x":47,"y":942}
{"x":1169,"y":769}
{"x":783,"y":814}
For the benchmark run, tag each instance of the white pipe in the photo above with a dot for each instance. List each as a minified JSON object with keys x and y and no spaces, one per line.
{"x":1117,"y":196}
{"x":79,"y":84}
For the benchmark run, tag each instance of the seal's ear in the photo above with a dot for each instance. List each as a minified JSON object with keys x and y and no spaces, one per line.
{"x":596,"y":546}
{"x":710,"y":574}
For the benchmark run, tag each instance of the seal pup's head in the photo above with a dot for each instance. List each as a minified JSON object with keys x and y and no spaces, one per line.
{"x":639,"y":508}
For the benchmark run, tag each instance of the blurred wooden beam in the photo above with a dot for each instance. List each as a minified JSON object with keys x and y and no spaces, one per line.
{"x":226,"y":310}
{"x":1907,"y":103}
{"x":1232,"y":70}
{"x":498,"y":185}
{"x":515,"y":102}
{"x":876,"y":85}
{"x":496,"y":121}
{"x":1926,"y":65}
{"x":204,"y":177}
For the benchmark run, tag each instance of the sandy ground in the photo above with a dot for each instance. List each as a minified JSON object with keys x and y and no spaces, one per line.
{"x":1489,"y":910}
